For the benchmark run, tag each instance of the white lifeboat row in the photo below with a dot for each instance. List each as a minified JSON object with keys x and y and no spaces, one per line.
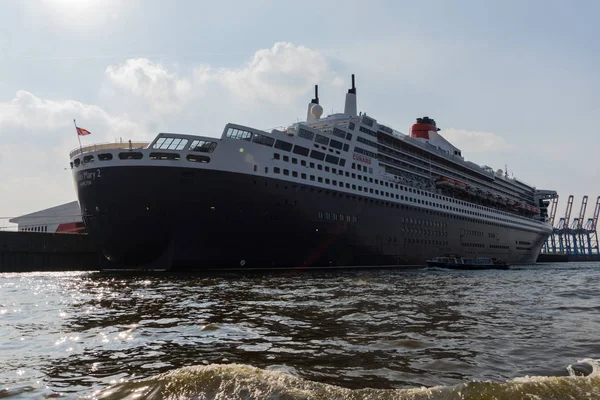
{"x":494,"y":198}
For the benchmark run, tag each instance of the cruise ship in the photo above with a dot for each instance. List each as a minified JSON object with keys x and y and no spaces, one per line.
{"x":338,"y":191}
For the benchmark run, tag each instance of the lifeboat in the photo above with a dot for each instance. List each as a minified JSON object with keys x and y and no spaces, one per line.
{"x":446,"y":182}
{"x":422,"y":128}
{"x":451,"y":183}
{"x":460,"y":185}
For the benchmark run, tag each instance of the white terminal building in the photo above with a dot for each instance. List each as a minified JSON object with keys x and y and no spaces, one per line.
{"x":65,"y":218}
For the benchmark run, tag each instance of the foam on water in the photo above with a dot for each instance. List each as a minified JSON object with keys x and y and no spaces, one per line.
{"x":238,"y":381}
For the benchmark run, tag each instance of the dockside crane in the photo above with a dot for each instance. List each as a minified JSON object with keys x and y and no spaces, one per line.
{"x":576,"y":230}
{"x":591,"y":233}
{"x":564,"y":240}
{"x":550,"y":245}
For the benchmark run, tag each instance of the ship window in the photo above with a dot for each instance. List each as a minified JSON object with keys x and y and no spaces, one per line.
{"x":303,"y":133}
{"x":332,"y":159}
{"x":319,"y":179}
{"x":336,"y":145}
{"x":327,"y":215}
{"x":324,"y":140}
{"x":178,"y":144}
{"x":105,"y":156}
{"x":319,"y":167}
{"x":354,"y":176}
{"x":286,"y":158}
{"x":239,"y":134}
{"x":366,"y":141}
{"x":303,"y":151}
{"x":312,"y":177}
{"x":294,"y":161}
{"x":353,"y":187}
{"x":326,"y":168}
{"x":334,"y":182}
{"x":334,"y":216}
{"x":164,"y":156}
{"x":342,"y":162}
{"x":348,"y":137}
{"x":203,"y":146}
{"x":317,"y":155}
{"x":266,"y":170}
{"x":327,"y":181}
{"x":77,"y":161}
{"x":303,"y":163}
{"x":303,"y":176}
{"x":198,"y":158}
{"x":346,"y":147}
{"x":286,"y":171}
{"x":131,"y":155}
{"x":341,"y":184}
{"x":347,"y":186}
{"x":276,"y":156}
{"x":88,"y":159}
{"x":320,"y":214}
{"x":276,"y":170}
{"x":294,"y":174}
{"x":286,"y":146}
{"x":262,"y":139}
{"x":339,"y":133}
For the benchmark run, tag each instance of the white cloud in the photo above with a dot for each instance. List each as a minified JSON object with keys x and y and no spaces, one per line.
{"x":279,"y":74}
{"x":162,"y":90}
{"x":477,"y":142}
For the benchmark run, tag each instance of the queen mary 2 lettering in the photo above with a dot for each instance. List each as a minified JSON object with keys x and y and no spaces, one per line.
{"x":338,"y":191}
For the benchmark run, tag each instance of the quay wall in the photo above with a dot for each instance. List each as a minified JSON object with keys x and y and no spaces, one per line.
{"x":36,"y":251}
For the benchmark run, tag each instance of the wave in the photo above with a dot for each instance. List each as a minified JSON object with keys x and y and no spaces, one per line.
{"x":238,"y":381}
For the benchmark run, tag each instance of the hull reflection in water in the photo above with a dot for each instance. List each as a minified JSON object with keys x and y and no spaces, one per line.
{"x":235,"y":381}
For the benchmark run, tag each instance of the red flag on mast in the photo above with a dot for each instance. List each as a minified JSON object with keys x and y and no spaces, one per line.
{"x":83,"y":132}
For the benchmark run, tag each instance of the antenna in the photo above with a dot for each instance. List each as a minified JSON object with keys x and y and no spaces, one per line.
{"x":353,"y":88}
{"x":350,"y":105}
{"x":316,"y":99}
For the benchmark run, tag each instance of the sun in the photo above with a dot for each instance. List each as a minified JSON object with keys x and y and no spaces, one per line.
{"x":78,"y":14}
{"x":75,"y":7}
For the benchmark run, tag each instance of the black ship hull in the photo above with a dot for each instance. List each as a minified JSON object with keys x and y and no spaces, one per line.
{"x":196,"y":219}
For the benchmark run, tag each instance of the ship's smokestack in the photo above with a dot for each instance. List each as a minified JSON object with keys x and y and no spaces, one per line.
{"x":350,"y":106}
{"x":314,"y":111}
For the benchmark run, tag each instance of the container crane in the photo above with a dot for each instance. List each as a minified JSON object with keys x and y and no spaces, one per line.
{"x":590,"y":231}
{"x":550,"y":245}
{"x":576,"y":230}
{"x":564,"y":240}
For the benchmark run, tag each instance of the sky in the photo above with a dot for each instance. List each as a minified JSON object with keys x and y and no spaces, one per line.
{"x":514,"y":84}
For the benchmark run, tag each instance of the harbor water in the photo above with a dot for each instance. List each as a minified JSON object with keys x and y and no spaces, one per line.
{"x":531,"y":332}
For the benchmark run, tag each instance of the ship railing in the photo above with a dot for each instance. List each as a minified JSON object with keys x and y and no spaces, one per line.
{"x":108,"y":146}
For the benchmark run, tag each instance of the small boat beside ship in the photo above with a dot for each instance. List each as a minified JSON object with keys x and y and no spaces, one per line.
{"x":473,"y":263}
